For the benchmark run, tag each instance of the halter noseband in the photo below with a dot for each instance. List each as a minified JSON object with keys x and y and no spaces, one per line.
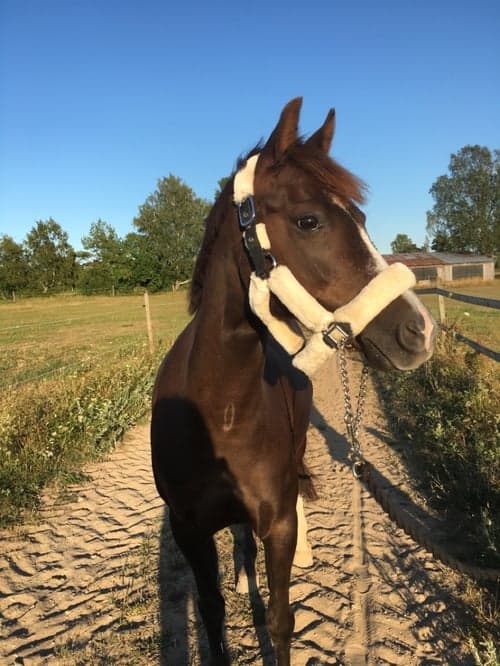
{"x":329,"y":329}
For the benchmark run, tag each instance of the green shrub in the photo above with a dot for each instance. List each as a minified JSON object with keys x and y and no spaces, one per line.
{"x":50,"y":429}
{"x":448,"y":410}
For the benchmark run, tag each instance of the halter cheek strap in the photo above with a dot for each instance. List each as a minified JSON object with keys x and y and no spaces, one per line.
{"x":243,"y":197}
{"x":329,"y":329}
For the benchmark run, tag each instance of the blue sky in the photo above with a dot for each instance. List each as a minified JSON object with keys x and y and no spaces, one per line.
{"x":101,"y":98}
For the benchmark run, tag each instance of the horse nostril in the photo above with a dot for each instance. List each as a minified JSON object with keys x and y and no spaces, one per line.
{"x":411,"y":336}
{"x":414,"y":327}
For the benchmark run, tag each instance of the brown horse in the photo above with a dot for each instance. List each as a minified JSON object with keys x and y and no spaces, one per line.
{"x":230,"y":410}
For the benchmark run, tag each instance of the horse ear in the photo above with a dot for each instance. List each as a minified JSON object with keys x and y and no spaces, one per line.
{"x":285,"y":132}
{"x":322,"y":138}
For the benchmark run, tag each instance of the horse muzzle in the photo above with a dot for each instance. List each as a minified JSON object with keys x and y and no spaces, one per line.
{"x":401,"y":337}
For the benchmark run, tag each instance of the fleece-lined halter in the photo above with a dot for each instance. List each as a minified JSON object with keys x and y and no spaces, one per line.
{"x":329,"y":329}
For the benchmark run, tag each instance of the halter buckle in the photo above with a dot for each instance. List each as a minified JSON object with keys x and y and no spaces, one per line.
{"x":335,"y":335}
{"x":246,"y":212}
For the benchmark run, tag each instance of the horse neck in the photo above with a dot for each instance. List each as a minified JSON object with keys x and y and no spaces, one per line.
{"x":223,"y":315}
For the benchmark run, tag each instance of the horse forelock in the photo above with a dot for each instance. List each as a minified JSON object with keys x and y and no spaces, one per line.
{"x":331,"y":176}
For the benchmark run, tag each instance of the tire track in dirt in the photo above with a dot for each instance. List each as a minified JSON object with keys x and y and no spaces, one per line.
{"x":371,"y":597}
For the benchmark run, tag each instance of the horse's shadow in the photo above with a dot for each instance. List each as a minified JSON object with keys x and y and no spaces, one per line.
{"x":183,"y":639}
{"x":176,"y":588}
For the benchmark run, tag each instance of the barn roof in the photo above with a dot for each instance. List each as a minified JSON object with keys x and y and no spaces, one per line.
{"x":455,"y":258}
{"x":415,"y":259}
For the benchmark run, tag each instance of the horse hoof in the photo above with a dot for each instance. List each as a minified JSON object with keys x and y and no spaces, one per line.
{"x":303,"y":559}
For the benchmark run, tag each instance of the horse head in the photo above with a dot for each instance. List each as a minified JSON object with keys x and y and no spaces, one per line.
{"x":309,"y":204}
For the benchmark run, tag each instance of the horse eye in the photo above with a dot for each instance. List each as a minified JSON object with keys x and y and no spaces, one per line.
{"x":308,"y":223}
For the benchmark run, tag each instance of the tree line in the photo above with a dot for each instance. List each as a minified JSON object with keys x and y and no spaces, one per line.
{"x":465,"y":217}
{"x":159,"y":253}
{"x":161,"y":250}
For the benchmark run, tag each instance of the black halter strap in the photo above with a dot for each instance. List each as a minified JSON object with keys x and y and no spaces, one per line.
{"x":248,"y":220}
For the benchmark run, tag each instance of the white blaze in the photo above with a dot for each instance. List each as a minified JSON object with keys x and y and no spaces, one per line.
{"x":410,"y":297}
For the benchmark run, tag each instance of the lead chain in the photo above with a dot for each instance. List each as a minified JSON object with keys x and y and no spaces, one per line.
{"x":352,"y":421}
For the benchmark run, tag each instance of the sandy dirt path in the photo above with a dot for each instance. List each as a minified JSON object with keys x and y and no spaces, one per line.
{"x":371,"y":597}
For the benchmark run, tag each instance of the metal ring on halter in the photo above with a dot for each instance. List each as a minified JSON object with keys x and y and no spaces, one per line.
{"x":271,"y":258}
{"x":357,"y":468}
{"x":335,"y":335}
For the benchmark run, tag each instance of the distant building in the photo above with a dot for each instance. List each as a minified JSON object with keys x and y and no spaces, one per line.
{"x":445,"y":266}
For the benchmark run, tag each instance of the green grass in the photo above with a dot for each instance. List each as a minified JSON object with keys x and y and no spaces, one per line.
{"x":43,"y":337}
{"x":447,"y":412}
{"x":50,"y":429}
{"x":476,"y":322}
{"x":77,"y":373}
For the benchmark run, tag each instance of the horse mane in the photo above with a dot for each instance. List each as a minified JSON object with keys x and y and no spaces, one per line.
{"x":331,"y":176}
{"x":212,"y":226}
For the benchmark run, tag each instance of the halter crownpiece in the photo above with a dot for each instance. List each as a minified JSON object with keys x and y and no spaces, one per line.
{"x":329,"y":329}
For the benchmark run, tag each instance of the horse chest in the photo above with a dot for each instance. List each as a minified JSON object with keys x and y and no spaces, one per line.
{"x":273,"y":418}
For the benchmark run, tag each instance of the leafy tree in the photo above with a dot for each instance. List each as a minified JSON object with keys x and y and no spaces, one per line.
{"x":221,"y":184}
{"x":102,"y":241}
{"x":94,"y":277}
{"x":466,"y":212}
{"x":108,"y":265}
{"x":51,"y":258}
{"x":441,"y":242}
{"x":403,"y":243}
{"x":143,"y":261}
{"x":14,"y":268}
{"x":171,"y":219}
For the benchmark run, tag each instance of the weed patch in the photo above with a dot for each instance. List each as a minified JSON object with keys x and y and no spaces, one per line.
{"x":448,"y":411}
{"x":50,"y":429}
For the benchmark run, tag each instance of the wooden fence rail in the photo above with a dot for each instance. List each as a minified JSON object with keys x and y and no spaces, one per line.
{"x":473,"y":300}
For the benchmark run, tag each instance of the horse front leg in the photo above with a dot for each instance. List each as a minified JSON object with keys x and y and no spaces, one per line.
{"x":201,"y":553}
{"x":279,"y":548}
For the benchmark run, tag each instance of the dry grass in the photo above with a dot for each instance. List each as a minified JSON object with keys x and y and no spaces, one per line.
{"x":476,"y":322}
{"x":76,"y":373}
{"x":45,"y":336}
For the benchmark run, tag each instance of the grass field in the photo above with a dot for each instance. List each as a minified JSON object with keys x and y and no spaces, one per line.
{"x":76,"y":374}
{"x":478,"y":323}
{"x":42,"y":337}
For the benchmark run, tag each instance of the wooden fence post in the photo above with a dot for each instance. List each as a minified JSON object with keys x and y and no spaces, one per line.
{"x":442,"y":311}
{"x":148,"y":323}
